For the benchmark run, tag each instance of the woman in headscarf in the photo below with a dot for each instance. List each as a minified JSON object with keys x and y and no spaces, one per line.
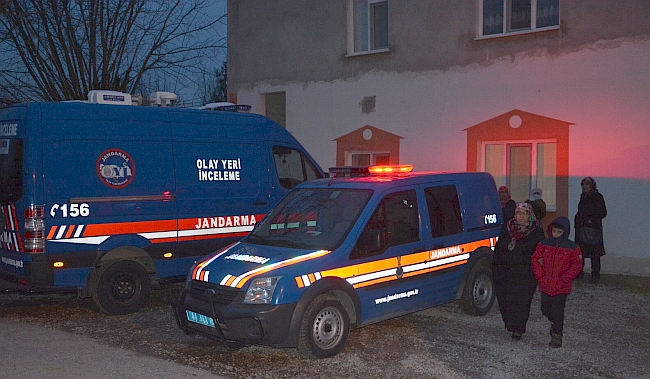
{"x":514,"y":281}
{"x":507,"y":204}
{"x":591,"y":212}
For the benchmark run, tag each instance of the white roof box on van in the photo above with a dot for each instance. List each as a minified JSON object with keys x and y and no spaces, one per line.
{"x":163,"y":99}
{"x":109,"y":97}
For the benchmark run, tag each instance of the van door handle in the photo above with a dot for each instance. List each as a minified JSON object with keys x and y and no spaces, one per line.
{"x":260,"y":203}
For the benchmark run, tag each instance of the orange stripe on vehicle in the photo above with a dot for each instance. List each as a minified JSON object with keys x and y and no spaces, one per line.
{"x":197,"y":268}
{"x":312,"y":278}
{"x":375,"y":281}
{"x":230,"y":280}
{"x":299,"y":282}
{"x":163,"y":240}
{"x":370,"y":267}
{"x":129,"y":227}
{"x":420,"y":257}
{"x":476,"y":244}
{"x":432,"y":269}
{"x":289,"y":262}
{"x":343,"y":272}
{"x":245,"y":278}
{"x":405,"y":260}
{"x":361,"y":269}
{"x":71,"y":229}
{"x":212,"y":236}
{"x":52,"y":233}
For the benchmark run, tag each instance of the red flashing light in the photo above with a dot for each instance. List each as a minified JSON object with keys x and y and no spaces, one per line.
{"x":392,"y":169}
{"x":35,"y":211}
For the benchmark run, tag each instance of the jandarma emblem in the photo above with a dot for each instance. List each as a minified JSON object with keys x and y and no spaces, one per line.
{"x":115,"y":168}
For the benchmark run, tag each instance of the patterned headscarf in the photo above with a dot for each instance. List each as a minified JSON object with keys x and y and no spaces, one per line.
{"x":519,"y":232}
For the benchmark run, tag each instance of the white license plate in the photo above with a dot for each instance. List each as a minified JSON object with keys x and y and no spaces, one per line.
{"x":199,"y":319}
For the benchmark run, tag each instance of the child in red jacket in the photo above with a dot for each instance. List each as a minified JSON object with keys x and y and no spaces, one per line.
{"x":556,"y":262}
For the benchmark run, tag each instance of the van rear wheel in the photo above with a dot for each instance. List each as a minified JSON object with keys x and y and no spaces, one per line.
{"x":121,"y":287}
{"x":325,"y":328}
{"x":478,"y":293}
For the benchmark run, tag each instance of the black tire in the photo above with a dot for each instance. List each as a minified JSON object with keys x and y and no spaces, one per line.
{"x":324,"y":329}
{"x":478,"y":293}
{"x":121,"y":287}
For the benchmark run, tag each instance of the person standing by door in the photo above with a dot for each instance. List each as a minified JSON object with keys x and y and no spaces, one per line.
{"x":539,"y":205}
{"x":588,"y":223}
{"x":507,"y":204}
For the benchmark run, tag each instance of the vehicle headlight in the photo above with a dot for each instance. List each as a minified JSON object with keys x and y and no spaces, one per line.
{"x":261,"y":290}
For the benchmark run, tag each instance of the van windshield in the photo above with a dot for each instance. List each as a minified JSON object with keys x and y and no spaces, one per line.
{"x":11,"y":167}
{"x":318,"y":219}
{"x":293,"y":167}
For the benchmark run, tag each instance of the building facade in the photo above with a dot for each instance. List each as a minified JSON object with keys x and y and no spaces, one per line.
{"x":540,"y":93}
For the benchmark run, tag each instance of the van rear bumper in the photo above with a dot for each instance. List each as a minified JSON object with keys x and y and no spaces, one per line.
{"x":13,"y":284}
{"x":236,"y":324}
{"x":28,"y":271}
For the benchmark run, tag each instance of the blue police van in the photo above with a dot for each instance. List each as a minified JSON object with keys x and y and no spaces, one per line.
{"x":366,"y":245}
{"x":108,"y":200}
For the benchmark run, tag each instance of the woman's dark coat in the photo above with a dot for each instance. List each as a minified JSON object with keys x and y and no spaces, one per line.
{"x":591,"y":212}
{"x":514,"y":281}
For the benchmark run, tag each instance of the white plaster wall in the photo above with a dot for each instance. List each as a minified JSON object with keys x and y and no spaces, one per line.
{"x":604,"y":89}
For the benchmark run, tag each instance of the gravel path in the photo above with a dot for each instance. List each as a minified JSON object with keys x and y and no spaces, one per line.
{"x":607,"y":335}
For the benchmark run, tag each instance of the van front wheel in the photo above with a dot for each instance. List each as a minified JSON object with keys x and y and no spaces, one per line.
{"x":121,"y":287}
{"x":478,"y":293}
{"x":324,"y":329}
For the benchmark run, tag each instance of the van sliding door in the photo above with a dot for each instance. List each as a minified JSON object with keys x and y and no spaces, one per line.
{"x":222,"y":191}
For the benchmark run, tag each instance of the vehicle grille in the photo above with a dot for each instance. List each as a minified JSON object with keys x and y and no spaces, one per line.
{"x":218,"y":295}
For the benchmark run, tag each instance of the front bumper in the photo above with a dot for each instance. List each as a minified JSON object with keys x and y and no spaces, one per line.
{"x":235,"y":324}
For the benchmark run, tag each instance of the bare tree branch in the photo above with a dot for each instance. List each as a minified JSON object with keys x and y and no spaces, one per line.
{"x":60,"y":49}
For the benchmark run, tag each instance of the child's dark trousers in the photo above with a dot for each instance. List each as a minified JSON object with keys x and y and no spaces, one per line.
{"x":553,"y":309}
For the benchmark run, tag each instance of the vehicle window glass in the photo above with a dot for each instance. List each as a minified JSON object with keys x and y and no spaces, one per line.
{"x":292,"y":167}
{"x":310,"y":171}
{"x":394,"y":222}
{"x":444,"y":211}
{"x":311,"y":219}
{"x":11,"y":168}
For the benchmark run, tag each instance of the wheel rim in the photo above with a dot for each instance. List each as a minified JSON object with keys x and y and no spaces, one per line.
{"x":482,"y":291}
{"x":124,"y":286}
{"x":328,"y":326}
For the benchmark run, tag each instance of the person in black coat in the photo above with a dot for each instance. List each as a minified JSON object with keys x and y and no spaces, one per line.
{"x":514,"y":282}
{"x":507,"y":204}
{"x":591,"y":212}
{"x":539,"y":205}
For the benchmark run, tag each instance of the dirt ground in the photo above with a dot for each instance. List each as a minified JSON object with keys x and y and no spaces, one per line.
{"x":607,"y":335}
